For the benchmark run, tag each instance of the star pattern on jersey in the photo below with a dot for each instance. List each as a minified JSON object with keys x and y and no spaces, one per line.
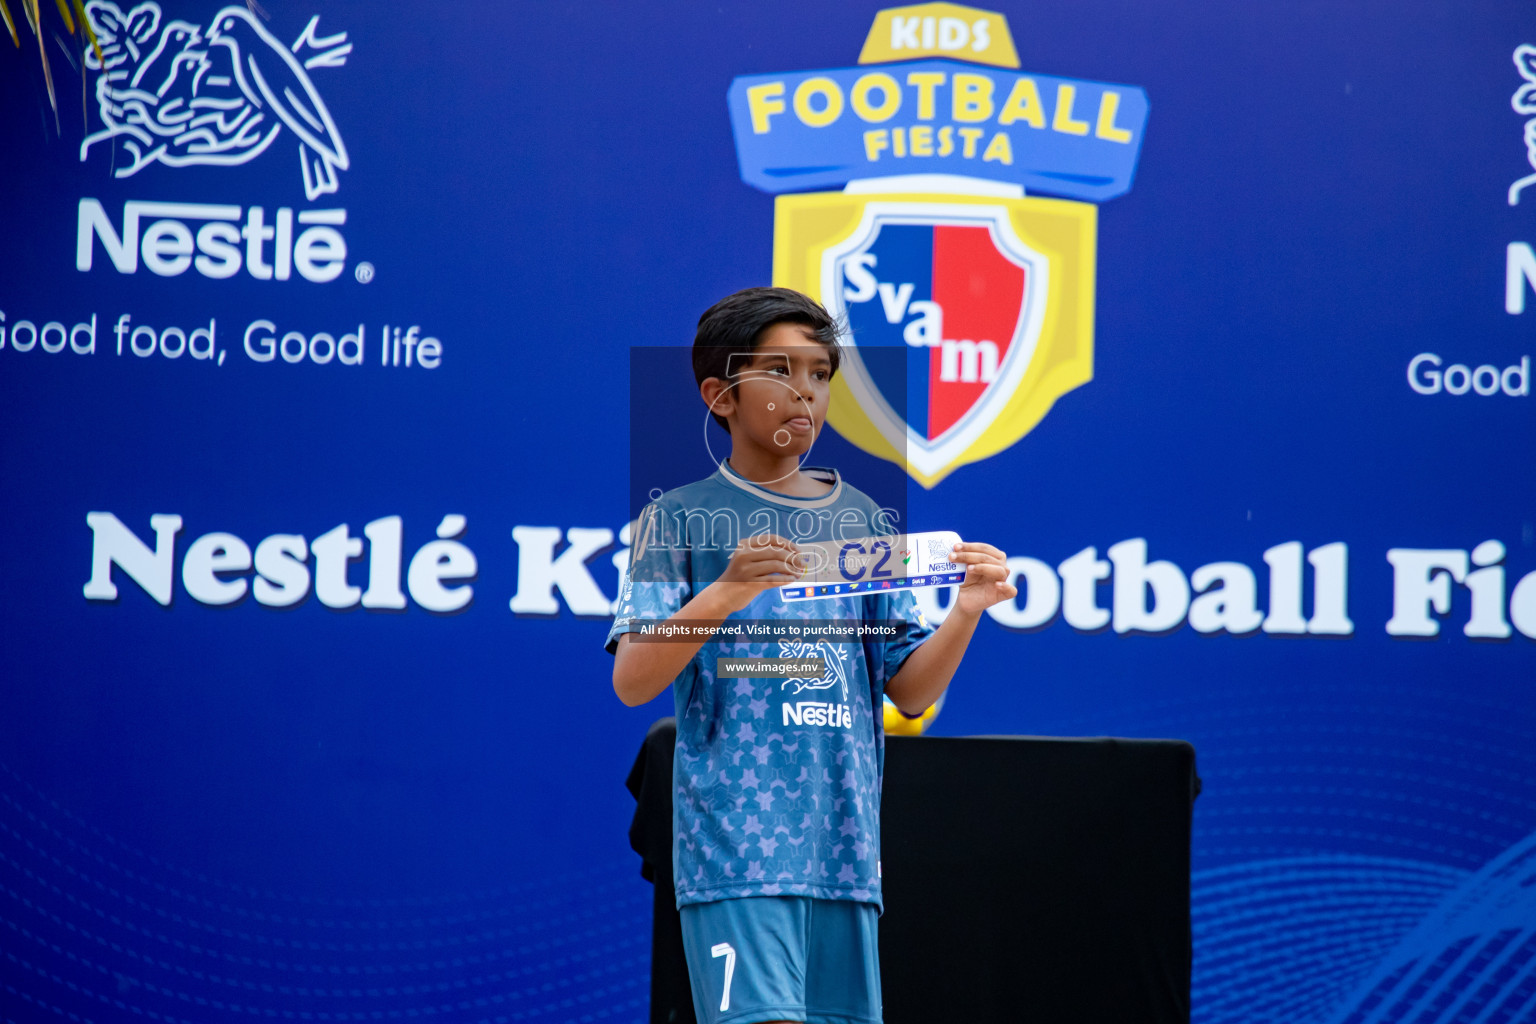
{"x":764,"y":805}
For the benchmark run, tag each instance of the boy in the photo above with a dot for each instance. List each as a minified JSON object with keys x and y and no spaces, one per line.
{"x":776,"y":820}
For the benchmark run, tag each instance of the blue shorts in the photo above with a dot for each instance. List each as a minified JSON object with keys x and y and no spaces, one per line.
{"x":768,"y":958}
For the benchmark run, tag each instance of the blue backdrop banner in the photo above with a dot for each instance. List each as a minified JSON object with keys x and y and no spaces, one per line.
{"x":316,"y":333}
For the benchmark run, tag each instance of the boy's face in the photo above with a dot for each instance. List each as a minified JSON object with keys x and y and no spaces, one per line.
{"x":781,"y":396}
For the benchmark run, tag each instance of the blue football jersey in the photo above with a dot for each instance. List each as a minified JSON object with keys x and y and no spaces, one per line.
{"x":777,"y":781}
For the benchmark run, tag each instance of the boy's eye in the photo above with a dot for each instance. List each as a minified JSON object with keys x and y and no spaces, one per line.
{"x":783,"y":371}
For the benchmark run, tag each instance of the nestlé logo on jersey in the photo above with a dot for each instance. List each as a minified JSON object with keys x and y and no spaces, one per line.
{"x":177,"y":94}
{"x":820,"y":714}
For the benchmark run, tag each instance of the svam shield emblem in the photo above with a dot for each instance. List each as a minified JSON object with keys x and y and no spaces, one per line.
{"x":967,"y":316}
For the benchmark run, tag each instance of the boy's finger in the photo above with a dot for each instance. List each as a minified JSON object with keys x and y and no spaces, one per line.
{"x":982,"y":546}
{"x":778,"y":548}
{"x":774,"y":565}
{"x":776,"y":556}
{"x":752,"y":570}
{"x":977,"y":558}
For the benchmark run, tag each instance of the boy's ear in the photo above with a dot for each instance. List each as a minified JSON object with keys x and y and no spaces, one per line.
{"x":717,"y":396}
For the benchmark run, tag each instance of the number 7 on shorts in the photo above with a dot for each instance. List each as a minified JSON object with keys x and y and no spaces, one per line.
{"x":726,"y":950}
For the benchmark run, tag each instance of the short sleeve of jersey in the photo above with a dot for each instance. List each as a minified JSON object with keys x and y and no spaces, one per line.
{"x":656,"y":584}
{"x":900,"y":606}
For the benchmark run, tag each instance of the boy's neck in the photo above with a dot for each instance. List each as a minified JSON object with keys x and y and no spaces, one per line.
{"x":775,"y":473}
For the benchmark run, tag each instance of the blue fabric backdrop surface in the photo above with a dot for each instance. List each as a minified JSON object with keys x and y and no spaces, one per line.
{"x":316,"y":336}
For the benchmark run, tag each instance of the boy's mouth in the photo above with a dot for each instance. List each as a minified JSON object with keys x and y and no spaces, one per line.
{"x":799,"y":424}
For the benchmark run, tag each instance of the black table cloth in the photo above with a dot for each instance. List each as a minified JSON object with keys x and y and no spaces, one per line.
{"x":1025,"y":878}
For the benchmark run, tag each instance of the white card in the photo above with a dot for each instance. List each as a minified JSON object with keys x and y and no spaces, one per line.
{"x":902,"y":561}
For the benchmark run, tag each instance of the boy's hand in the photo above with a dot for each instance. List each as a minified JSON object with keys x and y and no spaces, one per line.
{"x":759,"y":563}
{"x":986,"y":577}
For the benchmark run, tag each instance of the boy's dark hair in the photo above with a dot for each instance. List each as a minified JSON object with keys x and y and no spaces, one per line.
{"x":734,"y":325}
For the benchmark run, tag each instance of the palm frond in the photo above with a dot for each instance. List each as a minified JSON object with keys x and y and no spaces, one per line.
{"x":42,"y":53}
{"x":85,"y":26}
{"x":5,"y":12}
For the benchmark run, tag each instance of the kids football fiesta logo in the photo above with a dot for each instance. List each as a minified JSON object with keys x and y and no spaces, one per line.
{"x":933,"y":246}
